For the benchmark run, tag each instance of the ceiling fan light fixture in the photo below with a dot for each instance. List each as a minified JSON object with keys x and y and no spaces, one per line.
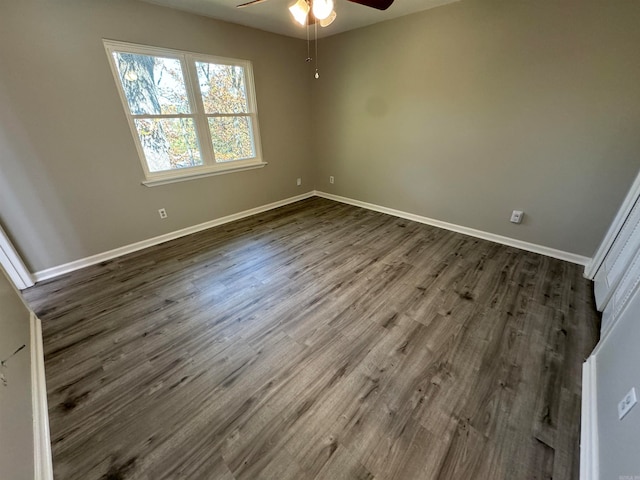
{"x":299,"y":11}
{"x":322,"y":9}
{"x":329,"y":20}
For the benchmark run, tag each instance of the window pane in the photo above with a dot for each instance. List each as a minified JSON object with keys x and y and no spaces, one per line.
{"x":222,"y":87}
{"x":169,"y":143}
{"x":152,"y":85}
{"x":232,"y":138}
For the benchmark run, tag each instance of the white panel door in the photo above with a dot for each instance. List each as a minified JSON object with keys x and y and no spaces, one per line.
{"x":618,"y":259}
{"x":625,"y":290}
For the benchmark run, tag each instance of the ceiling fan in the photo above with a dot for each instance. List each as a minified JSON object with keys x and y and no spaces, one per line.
{"x":308,"y":12}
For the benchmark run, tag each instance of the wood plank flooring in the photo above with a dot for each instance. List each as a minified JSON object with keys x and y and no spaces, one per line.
{"x":317,"y":341}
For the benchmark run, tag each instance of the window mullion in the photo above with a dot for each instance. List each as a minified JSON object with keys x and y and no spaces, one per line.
{"x":161,"y":116}
{"x":202,"y":125}
{"x":228,"y":115}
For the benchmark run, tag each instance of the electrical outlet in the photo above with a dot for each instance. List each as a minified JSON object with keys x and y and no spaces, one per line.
{"x":627,"y":403}
{"x":516,"y":216}
{"x":331,"y":179}
{"x":299,"y":182}
{"x":163,"y":213}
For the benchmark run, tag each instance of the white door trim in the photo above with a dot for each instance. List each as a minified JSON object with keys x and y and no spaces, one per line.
{"x":13,"y":265}
{"x":629,"y":201}
{"x":43,"y":467}
{"x":589,"y":460}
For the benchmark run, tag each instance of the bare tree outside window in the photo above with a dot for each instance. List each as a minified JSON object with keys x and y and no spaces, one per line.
{"x":155,"y":86}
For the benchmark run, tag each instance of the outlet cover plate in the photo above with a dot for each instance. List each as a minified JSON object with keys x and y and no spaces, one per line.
{"x":516,"y":216}
{"x":627,"y":403}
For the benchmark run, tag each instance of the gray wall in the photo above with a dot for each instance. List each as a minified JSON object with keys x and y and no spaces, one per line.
{"x":617,"y":370}
{"x":468,"y":111}
{"x":461,"y":113}
{"x":69,"y":172}
{"x":16,"y":424}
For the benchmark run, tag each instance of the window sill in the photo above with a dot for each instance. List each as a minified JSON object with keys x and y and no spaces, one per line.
{"x":154,"y":182}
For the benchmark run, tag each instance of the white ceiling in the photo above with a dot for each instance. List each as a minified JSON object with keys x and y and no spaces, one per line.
{"x":274,"y":16}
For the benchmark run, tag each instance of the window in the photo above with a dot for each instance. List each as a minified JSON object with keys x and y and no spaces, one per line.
{"x":191,"y":115}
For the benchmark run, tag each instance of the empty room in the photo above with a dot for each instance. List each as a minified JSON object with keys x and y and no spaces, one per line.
{"x":319,"y":239}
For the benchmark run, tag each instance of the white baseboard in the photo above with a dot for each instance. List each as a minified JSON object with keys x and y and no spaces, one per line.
{"x":134,"y":247}
{"x":512,"y":242}
{"x":42,"y":462}
{"x":589,"y":463}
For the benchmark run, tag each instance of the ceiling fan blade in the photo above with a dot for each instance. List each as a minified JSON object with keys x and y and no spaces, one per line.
{"x":379,"y":4}
{"x":252,"y":2}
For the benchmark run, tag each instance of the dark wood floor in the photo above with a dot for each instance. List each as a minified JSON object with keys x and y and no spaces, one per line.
{"x":317,"y":341}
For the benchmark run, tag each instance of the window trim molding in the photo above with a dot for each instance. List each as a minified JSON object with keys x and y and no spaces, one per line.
{"x":188,"y":60}
{"x":201,"y":174}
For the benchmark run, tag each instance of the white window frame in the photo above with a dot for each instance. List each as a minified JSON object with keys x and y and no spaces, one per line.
{"x":188,"y":62}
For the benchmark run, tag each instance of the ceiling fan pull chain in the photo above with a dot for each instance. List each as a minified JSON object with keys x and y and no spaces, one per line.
{"x":317,"y":75}
{"x":308,"y":59}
